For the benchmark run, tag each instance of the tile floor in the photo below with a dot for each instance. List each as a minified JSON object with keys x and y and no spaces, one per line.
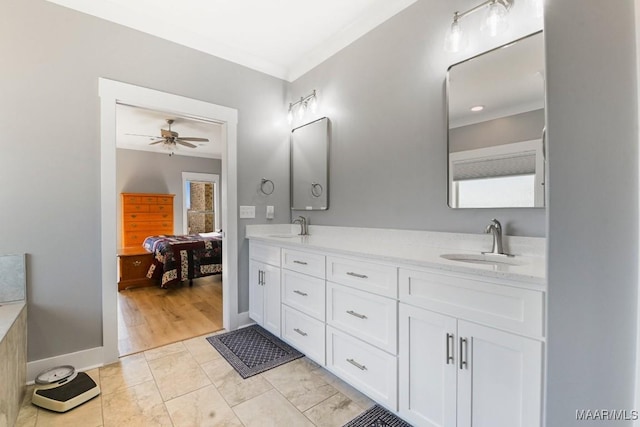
{"x":189,"y":384}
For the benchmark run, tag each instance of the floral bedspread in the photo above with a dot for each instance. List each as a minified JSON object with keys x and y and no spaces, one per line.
{"x":178,"y":258}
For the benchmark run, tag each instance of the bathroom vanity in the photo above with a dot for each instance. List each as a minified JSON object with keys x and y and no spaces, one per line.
{"x":419,"y":321}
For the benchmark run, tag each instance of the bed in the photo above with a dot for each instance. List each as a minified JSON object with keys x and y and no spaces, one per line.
{"x":186,"y":257}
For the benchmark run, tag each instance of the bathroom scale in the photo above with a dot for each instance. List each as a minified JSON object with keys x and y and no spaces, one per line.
{"x":61,"y":388}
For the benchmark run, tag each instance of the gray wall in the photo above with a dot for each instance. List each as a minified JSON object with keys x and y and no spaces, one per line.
{"x":505,"y":130}
{"x":593,"y":208}
{"x":147,"y":172}
{"x":385,"y":97}
{"x":50,"y":153}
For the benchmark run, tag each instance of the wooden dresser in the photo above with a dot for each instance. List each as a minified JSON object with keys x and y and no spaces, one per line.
{"x":143,"y":215}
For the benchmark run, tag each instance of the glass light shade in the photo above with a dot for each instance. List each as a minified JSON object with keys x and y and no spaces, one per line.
{"x":290,"y":116}
{"x":495,"y":20}
{"x":536,"y":8}
{"x":302,"y":109}
{"x":313,"y":104}
{"x":456,"y":39}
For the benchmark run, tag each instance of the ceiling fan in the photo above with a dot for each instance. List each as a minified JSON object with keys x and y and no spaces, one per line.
{"x":171,"y":138}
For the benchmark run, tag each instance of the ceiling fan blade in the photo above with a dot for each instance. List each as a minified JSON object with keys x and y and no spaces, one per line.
{"x":186,"y":144}
{"x":194,"y":139}
{"x":148,"y":136}
{"x":156,"y":142}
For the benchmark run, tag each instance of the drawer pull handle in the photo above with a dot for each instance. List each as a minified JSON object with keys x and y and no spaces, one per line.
{"x":449,"y":346}
{"x":300,"y":293}
{"x":137,"y":263}
{"x":358,"y":315}
{"x":357,"y":365}
{"x":463,"y":354}
{"x":134,"y":216}
{"x":299,"y":262}
{"x":304,"y":334}
{"x":359,"y":276}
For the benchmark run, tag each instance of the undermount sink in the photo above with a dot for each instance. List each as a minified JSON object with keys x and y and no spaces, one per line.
{"x":486,"y":259}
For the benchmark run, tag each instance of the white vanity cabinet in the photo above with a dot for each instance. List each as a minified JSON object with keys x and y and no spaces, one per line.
{"x":458,"y":365}
{"x":264,"y":286}
{"x":303,"y":302}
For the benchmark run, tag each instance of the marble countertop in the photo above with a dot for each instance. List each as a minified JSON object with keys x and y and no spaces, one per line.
{"x":416,"y":248}
{"x":9,"y":312}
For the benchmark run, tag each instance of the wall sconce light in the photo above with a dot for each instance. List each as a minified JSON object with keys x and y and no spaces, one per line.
{"x":309,"y":102}
{"x":494,"y":22}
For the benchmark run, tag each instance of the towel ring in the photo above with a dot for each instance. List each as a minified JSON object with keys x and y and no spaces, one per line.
{"x":314,"y":189}
{"x":264,"y":182}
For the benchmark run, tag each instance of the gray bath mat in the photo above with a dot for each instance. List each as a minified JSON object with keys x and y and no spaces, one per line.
{"x":253,"y":350}
{"x":377,"y":416}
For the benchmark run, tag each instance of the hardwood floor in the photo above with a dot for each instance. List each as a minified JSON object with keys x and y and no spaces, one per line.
{"x":151,"y":317}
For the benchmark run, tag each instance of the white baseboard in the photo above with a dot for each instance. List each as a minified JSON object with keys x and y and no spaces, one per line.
{"x":81,"y":360}
{"x":244,"y":319}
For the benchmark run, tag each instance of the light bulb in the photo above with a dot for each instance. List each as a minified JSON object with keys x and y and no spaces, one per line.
{"x":456,"y":39}
{"x":313,"y":104}
{"x":495,"y":20}
{"x":302,"y":109}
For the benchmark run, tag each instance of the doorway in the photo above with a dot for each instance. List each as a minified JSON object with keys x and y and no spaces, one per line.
{"x":111,"y":93}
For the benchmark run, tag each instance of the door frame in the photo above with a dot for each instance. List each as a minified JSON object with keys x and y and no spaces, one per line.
{"x":111,"y":93}
{"x":217,"y":205}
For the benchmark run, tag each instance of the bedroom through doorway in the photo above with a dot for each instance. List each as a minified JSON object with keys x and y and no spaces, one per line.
{"x":168,"y":171}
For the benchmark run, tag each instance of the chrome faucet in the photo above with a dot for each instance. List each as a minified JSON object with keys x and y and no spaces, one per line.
{"x":304,"y":225}
{"x":495,"y":228}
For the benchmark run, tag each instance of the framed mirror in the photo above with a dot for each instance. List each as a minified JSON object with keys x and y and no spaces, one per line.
{"x":310,"y":166}
{"x":496,"y":120}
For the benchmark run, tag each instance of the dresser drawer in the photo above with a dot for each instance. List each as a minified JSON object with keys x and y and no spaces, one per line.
{"x":371,"y":277}
{"x":164,"y":200}
{"x":160,"y":208}
{"x":304,"y":333}
{"x":303,"y":262}
{"x":133,"y":270}
{"x":145,"y":216}
{"x":135,"y":208}
{"x":370,"y":317}
{"x":132,"y":200}
{"x":304,"y":293}
{"x":134,"y":238}
{"x":264,"y":253}
{"x":498,"y":305}
{"x":147,"y":225}
{"x":367,"y":368}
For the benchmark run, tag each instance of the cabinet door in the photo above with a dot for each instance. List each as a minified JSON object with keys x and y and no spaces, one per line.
{"x":256,"y":291}
{"x":271,"y":280}
{"x":428,"y":367}
{"x":501,"y":383}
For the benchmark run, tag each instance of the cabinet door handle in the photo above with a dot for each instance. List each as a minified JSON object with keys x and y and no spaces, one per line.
{"x":357,"y":365}
{"x":300,"y":293}
{"x":358,"y":315}
{"x":463,"y":354}
{"x":137,"y":263}
{"x":260,"y":277}
{"x":304,"y":334}
{"x":359,"y":276}
{"x":449,"y":346}
{"x":299,"y":262}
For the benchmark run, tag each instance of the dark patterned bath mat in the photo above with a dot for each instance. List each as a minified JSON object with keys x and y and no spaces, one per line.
{"x":253,"y":350}
{"x":377,"y":416}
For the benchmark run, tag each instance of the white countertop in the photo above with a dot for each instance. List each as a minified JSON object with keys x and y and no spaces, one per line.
{"x":9,"y":312}
{"x":417,"y":248}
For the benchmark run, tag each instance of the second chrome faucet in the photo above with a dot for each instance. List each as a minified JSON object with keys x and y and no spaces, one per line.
{"x":495,"y":228}
{"x":304,"y":225}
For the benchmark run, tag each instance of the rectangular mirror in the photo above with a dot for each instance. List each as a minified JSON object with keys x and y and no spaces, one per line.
{"x":310,"y":166}
{"x":496,"y":123}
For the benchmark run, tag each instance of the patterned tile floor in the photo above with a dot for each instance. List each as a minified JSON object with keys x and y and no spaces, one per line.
{"x":189,"y":384}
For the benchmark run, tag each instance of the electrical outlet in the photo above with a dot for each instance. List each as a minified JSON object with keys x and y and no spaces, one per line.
{"x":247,"y":212}
{"x":270,"y":212}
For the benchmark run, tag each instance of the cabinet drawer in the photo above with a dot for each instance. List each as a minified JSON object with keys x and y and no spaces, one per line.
{"x":368,"y":276}
{"x":304,"y":293}
{"x":265,"y":253}
{"x":135,"y":266}
{"x":304,"y":333}
{"x":134,"y":238}
{"x":135,"y":208}
{"x":144,"y":216}
{"x":147,"y":225}
{"x":160,"y":208}
{"x":304,"y":262}
{"x":132,"y":200}
{"x":164,"y":200}
{"x":370,"y":317}
{"x":149,"y":200}
{"x":367,"y":368}
{"x":492,"y":304}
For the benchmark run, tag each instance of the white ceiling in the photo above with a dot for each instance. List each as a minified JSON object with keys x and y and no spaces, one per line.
{"x":283,"y":38}
{"x":131,"y":122}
